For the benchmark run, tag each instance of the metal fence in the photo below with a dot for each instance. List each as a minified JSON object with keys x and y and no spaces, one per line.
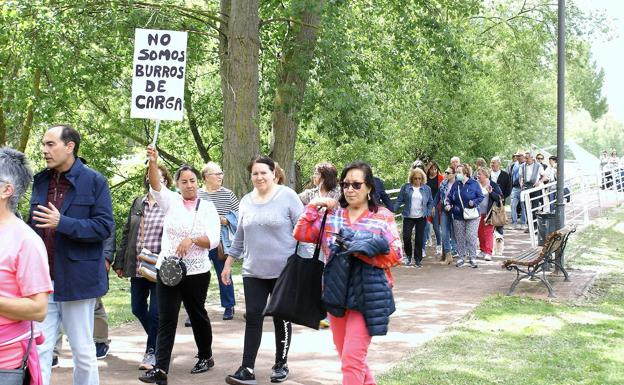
{"x":586,"y":197}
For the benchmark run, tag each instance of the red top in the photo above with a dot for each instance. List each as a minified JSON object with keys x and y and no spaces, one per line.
{"x":57,"y":189}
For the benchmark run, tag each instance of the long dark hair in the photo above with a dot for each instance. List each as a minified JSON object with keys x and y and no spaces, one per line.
{"x":368,"y":179}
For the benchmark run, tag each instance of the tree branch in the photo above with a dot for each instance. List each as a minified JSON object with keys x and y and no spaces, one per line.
{"x":192,"y":121}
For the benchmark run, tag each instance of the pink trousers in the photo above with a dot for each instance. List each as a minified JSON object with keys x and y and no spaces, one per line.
{"x":486,"y":236}
{"x":352,"y":340}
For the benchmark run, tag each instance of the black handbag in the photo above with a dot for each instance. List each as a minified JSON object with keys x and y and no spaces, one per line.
{"x":17,"y":376}
{"x":296,"y":296}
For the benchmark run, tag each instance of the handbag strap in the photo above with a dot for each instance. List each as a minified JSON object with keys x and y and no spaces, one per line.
{"x":317,"y":245}
{"x":319,"y":241}
{"x":460,"y":198}
{"x":27,"y":353}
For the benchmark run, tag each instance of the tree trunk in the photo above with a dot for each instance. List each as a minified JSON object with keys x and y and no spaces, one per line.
{"x":31,"y":111}
{"x":239,"y":50}
{"x":293,"y":73}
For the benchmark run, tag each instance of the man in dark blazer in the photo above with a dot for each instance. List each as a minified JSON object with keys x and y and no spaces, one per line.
{"x":71,"y":210}
{"x":502,"y":178}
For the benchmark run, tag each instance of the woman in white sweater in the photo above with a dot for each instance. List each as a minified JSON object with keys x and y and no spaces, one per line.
{"x":191,"y":228}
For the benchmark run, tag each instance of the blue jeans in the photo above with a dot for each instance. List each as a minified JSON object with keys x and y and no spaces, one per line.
{"x":436,"y":229}
{"x":226,"y":292}
{"x":76,"y":317}
{"x":446,"y":230}
{"x":515,"y":201}
{"x":140,"y":289}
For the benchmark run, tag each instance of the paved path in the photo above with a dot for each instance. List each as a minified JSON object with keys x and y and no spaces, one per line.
{"x":428,"y":300}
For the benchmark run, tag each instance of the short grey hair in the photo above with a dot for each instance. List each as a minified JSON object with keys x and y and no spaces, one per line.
{"x":496,"y":159}
{"x":15,"y":171}
{"x":210,"y":166}
{"x":455,"y":158}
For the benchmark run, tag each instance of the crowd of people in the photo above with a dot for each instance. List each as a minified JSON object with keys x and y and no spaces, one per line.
{"x":55,"y":272}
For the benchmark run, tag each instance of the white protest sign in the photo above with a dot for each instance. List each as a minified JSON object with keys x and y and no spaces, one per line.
{"x":158,"y":74}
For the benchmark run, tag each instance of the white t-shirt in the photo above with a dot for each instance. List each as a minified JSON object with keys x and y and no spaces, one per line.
{"x":494,"y":176}
{"x":417,"y":204}
{"x":528,"y":171}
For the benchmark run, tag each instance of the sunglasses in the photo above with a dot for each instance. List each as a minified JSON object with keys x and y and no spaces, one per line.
{"x":540,"y":158}
{"x":447,"y":172}
{"x":355,"y":185}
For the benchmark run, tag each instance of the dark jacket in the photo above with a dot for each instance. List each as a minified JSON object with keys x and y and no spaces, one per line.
{"x":86,"y":221}
{"x":381,"y":196}
{"x":495,"y":196}
{"x":350,"y":283}
{"x":504,"y":182}
{"x":109,"y":246}
{"x":470,"y":191}
{"x":125,"y":256}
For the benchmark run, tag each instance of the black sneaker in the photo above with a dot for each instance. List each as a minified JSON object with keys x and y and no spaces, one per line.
{"x":187,"y":322}
{"x":279,"y":372}
{"x":228,"y":313}
{"x":55,"y":362}
{"x":101,"y":350}
{"x":243,"y":376}
{"x":203,"y":365}
{"x":154,"y":376}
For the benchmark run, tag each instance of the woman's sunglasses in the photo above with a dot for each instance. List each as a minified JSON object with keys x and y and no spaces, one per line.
{"x":355,"y":185}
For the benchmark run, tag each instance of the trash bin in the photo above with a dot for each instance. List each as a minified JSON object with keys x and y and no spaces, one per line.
{"x":546,"y":224}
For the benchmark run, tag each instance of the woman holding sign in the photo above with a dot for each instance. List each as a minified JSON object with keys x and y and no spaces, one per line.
{"x":191,"y":228}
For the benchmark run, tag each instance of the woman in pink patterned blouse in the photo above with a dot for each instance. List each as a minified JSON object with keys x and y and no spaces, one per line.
{"x":357,"y":210}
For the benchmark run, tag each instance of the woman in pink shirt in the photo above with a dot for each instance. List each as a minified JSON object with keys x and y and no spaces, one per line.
{"x":24,"y":274}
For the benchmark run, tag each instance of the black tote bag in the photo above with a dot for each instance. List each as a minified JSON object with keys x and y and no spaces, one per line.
{"x":296,"y":296}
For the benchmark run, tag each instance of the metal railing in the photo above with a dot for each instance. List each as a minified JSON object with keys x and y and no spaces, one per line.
{"x":586,"y":196}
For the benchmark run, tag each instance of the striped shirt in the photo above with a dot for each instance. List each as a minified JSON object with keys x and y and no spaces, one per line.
{"x":381,"y":223}
{"x":153,"y":218}
{"x":223,"y":199}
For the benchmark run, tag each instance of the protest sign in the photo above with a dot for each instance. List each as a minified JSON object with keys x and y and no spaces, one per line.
{"x":158,"y":74}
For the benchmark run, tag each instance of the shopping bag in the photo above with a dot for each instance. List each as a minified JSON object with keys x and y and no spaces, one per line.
{"x":296,"y":296}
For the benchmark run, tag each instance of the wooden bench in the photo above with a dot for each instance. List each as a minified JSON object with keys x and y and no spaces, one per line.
{"x":535,"y":262}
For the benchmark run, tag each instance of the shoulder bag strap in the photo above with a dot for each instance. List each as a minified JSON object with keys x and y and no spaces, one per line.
{"x":459,"y":193}
{"x":319,"y":241}
{"x":27,"y":353}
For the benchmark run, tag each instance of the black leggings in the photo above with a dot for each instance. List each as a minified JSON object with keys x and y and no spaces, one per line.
{"x":192,"y":291}
{"x":257,"y":292}
{"x":408,"y":225}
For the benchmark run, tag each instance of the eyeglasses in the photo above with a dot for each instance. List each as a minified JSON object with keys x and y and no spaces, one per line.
{"x":418,"y":178}
{"x":215,"y":173}
{"x":540,"y":158}
{"x":448,"y":172}
{"x":355,"y":185}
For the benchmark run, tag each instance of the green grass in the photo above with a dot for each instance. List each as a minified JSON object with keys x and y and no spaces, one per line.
{"x":519,"y":340}
{"x":117,"y":300}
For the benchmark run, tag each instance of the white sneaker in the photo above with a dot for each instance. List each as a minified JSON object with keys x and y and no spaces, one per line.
{"x":487,"y":257}
{"x":149,"y":360}
{"x":439,"y":250}
{"x":480,"y":255}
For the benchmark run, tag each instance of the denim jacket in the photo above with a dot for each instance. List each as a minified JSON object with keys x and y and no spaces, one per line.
{"x":405,"y":199}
